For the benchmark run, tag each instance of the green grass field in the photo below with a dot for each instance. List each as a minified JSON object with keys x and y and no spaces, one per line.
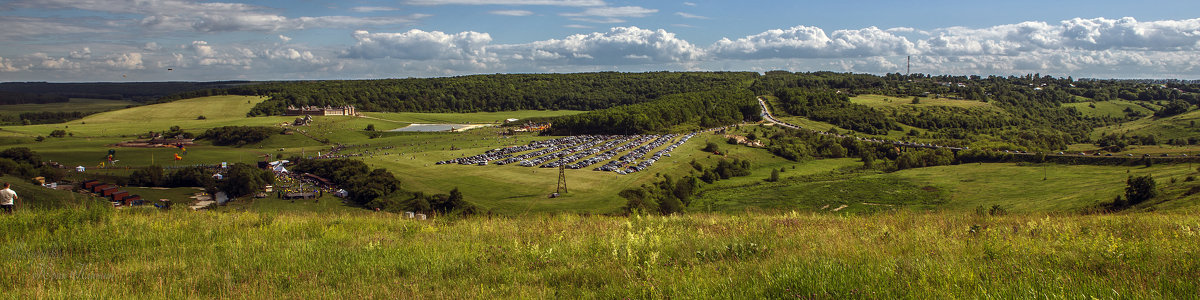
{"x":1066,"y":188}
{"x":74,"y":104}
{"x":1178,"y":126}
{"x":1111,"y":108}
{"x":146,"y":253}
{"x":464,"y":118}
{"x":880,"y":101}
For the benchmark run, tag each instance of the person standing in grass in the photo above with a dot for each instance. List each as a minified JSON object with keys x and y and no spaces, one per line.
{"x":7,"y":196}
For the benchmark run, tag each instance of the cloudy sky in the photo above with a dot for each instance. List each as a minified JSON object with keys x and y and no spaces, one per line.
{"x":160,"y":40}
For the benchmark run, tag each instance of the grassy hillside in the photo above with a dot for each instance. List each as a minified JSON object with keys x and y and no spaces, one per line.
{"x":1111,"y":108}
{"x":1179,"y":126}
{"x":150,"y":254}
{"x":218,"y":111}
{"x":1015,"y":187}
{"x":478,"y":117}
{"x":880,"y":101}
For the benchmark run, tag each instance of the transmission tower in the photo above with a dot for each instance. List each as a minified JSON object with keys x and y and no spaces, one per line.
{"x":908,"y":65}
{"x":562,"y":179}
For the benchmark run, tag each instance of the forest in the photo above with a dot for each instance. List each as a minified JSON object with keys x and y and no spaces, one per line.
{"x":499,"y":92}
{"x":673,"y":113}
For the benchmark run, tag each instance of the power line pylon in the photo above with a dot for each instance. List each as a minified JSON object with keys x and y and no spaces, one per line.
{"x":562,"y":179}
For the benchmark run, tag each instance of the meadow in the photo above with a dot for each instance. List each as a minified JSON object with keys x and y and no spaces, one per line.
{"x":145,"y":253}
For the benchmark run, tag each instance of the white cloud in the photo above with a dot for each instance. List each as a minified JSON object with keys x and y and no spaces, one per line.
{"x":370,"y":9}
{"x":689,"y":4}
{"x":177,"y":15}
{"x":512,"y":12}
{"x":421,"y":45}
{"x":285,"y":38}
{"x":126,"y":61}
{"x":85,"y":53}
{"x":691,"y":16}
{"x":7,"y":65}
{"x":202,"y":49}
{"x":578,"y":26}
{"x":1128,"y":33}
{"x":509,"y":2}
{"x":618,"y":46}
{"x":614,"y":12}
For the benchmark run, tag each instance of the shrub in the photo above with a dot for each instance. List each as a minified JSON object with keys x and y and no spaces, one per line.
{"x":1139,"y":189}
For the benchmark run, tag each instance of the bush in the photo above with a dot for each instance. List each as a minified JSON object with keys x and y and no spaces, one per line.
{"x":1138,"y":189}
{"x":712,"y":147}
{"x":238,"y":135}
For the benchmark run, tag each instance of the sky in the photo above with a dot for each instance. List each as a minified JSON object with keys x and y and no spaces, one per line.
{"x":187,"y":40}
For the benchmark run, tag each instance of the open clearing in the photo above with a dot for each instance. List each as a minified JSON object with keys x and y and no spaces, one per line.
{"x":882,"y":101}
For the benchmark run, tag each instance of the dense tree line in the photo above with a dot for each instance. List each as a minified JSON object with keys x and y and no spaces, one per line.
{"x":144,"y":92}
{"x":7,"y":97}
{"x":23,"y":162}
{"x":238,"y":135}
{"x":44,"y":117}
{"x":672,"y":113}
{"x":834,"y":108}
{"x":499,"y":92}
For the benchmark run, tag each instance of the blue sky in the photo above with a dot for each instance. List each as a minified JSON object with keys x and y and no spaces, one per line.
{"x":139,"y":40}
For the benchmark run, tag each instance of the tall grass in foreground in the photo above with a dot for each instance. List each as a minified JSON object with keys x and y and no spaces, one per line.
{"x":98,"y":253}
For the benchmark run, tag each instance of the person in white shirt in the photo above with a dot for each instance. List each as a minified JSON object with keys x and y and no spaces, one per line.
{"x":7,"y":196}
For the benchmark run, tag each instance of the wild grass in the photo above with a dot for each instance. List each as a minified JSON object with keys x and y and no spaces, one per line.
{"x":1111,"y":108}
{"x":881,"y":101}
{"x":100,"y":253}
{"x":1178,"y":126}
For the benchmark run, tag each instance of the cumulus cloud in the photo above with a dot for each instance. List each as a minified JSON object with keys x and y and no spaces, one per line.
{"x":512,"y":12}
{"x":417,"y":44}
{"x":620,"y":45}
{"x":202,"y":49}
{"x":812,"y":42}
{"x":285,"y":38}
{"x":7,"y":65}
{"x":125,"y":61}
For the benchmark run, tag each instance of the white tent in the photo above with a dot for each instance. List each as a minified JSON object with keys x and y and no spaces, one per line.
{"x":280,"y":169}
{"x":79,"y":169}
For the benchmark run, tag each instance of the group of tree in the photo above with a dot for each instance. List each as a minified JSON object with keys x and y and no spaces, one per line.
{"x":23,"y":162}
{"x":238,"y":135}
{"x":669,"y":196}
{"x":41,"y":117}
{"x":671,"y":113}
{"x":834,"y":108}
{"x":497,"y":92}
{"x":144,"y":92}
{"x":379,"y":189}
{"x":239,"y":179}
